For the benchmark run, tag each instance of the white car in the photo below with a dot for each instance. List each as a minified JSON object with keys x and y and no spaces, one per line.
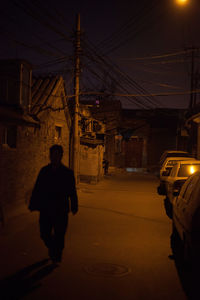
{"x":186,"y":217}
{"x":172,"y":153}
{"x":178,"y":175}
{"x":165,"y":171}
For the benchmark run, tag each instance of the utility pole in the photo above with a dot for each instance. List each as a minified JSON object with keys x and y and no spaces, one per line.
{"x":196,"y":85}
{"x":191,"y":105}
{"x":76,"y":139}
{"x":194,"y":79}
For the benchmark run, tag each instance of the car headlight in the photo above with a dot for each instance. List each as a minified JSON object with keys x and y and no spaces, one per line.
{"x":192,"y":169}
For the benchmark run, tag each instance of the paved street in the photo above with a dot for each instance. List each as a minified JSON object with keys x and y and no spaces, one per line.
{"x":117,"y":247}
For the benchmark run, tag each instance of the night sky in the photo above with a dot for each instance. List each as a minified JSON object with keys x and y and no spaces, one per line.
{"x":145,"y":39}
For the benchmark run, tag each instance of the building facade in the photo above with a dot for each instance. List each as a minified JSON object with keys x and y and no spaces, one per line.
{"x":32,"y":120}
{"x":92,"y":146}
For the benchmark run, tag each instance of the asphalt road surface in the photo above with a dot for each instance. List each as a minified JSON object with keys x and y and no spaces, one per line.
{"x":117,"y":247}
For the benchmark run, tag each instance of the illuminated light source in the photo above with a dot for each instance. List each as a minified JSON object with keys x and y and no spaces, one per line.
{"x":181,"y":2}
{"x":192,"y":170}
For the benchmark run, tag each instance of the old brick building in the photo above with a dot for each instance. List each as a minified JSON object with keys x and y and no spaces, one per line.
{"x":92,"y":146}
{"x":34,"y":115}
{"x":137,"y":138}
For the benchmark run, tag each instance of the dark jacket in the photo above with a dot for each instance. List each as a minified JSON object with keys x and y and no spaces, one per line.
{"x":53,"y":189}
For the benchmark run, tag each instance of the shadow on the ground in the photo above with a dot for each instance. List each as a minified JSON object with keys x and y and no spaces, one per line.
{"x":189,"y":274}
{"x":25,"y":281}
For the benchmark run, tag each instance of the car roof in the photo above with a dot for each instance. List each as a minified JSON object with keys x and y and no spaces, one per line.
{"x":178,"y":158}
{"x":189,"y":161}
{"x":175,"y":151}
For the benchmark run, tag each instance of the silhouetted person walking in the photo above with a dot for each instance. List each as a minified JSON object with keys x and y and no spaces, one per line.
{"x":53,"y":190}
{"x":105,"y":166}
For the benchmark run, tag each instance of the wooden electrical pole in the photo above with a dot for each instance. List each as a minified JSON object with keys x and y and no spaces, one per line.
{"x":191,"y":105}
{"x":76,"y":139}
{"x":194,"y":79}
{"x":196,"y":83}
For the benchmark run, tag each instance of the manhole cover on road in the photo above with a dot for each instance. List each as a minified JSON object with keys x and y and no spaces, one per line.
{"x":106,"y":269}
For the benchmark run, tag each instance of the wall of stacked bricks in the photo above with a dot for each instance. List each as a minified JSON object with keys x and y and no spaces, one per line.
{"x":91,"y":167}
{"x":19,"y":167}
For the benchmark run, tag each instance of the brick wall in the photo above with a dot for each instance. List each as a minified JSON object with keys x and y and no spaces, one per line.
{"x":19,"y":167}
{"x":91,"y":167}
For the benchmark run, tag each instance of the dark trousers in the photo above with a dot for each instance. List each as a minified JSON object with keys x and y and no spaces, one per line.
{"x":52,"y":231}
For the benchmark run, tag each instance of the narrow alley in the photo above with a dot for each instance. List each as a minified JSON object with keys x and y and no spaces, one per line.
{"x":117,"y":247}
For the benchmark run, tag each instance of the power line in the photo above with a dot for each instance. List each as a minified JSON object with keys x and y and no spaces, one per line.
{"x":145,"y":95}
{"x":159,"y":56}
{"x":28,"y":10}
{"x":164,"y":62}
{"x":15,"y":22}
{"x":124,"y":31}
{"x":135,"y":101}
{"x":37,"y":49}
{"x":40,"y":6}
{"x":117,"y":70}
{"x":53,"y":62}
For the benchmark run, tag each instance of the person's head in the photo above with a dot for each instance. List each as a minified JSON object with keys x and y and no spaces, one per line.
{"x":56,"y":154}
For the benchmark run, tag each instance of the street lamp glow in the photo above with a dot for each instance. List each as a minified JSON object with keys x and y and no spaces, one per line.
{"x":181,"y":2}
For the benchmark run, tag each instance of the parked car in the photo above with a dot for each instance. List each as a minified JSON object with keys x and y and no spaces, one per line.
{"x":172,"y":153}
{"x":165,"y":171}
{"x":178,"y":175}
{"x":186,"y":217}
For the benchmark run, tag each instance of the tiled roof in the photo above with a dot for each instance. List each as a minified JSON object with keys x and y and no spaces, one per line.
{"x":12,"y":115}
{"x":42,"y":90}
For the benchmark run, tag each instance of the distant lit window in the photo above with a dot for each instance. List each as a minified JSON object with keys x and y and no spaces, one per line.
{"x":9,"y":137}
{"x":58,"y":132}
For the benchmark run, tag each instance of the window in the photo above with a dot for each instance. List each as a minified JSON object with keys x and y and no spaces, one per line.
{"x":58,"y":132}
{"x":9,"y":137}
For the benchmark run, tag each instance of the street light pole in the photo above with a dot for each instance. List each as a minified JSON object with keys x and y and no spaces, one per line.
{"x":192,"y":81}
{"x":76,"y":140}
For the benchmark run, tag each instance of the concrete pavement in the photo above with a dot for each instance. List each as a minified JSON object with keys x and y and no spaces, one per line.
{"x":117,"y":247}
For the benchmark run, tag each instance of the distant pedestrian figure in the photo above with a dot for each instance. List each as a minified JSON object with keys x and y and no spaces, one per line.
{"x":53,"y":190}
{"x":105,"y":166}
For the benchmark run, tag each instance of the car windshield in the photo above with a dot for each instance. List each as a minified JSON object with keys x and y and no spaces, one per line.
{"x":171,"y":163}
{"x":188,"y":169}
